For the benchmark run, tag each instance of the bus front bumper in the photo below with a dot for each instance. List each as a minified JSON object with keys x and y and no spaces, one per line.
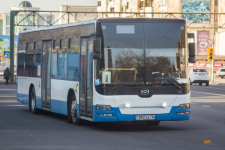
{"x":115,"y":115}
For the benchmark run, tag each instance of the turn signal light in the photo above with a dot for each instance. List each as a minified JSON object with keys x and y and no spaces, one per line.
{"x":183,"y":113}
{"x":105,"y":115}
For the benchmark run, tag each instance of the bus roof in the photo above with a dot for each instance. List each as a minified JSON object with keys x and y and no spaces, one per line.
{"x":122,"y":20}
{"x":172,"y":20}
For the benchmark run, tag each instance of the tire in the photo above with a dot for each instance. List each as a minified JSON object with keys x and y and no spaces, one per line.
{"x":155,"y":123}
{"x":190,"y":81}
{"x":33,"y":108}
{"x":207,"y":83}
{"x":200,"y":84}
{"x":73,"y":112}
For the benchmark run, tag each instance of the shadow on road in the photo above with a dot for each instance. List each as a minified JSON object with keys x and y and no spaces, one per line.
{"x":132,"y":127}
{"x":110,"y":126}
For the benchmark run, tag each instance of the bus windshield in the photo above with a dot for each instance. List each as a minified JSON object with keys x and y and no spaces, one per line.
{"x":143,"y":53}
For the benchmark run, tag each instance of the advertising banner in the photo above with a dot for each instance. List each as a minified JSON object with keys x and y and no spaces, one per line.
{"x":202,"y":38}
{"x":6,"y":54}
{"x":5,"y":42}
{"x":196,"y":6}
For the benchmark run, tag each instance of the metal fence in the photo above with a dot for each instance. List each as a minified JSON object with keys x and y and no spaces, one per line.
{"x":210,"y":24}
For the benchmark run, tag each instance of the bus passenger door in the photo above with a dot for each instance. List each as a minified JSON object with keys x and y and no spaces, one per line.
{"x":86,"y":77}
{"x":45,"y":74}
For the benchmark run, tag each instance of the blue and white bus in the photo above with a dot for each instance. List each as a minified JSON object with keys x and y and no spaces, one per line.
{"x":107,"y":70}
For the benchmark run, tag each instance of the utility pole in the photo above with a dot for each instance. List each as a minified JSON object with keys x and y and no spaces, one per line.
{"x":212,"y":79}
{"x":12,"y":42}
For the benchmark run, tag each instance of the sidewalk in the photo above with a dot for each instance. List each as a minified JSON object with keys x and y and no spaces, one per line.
{"x":2,"y":81}
{"x":217,"y":80}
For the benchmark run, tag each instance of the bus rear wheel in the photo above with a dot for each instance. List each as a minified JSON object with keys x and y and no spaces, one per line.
{"x":33,"y":108}
{"x":153,"y":123}
{"x":73,"y":112}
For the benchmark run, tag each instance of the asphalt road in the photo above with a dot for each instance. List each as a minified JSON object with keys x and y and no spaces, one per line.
{"x":22,"y":130}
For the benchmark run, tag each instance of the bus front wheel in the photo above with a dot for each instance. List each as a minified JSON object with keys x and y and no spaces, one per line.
{"x":73,"y":113}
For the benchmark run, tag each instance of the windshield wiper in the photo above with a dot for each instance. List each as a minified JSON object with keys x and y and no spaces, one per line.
{"x":174,"y":83}
{"x":116,"y":87}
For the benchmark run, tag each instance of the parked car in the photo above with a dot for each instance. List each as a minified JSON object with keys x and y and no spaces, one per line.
{"x":221,"y":73}
{"x":198,"y":75}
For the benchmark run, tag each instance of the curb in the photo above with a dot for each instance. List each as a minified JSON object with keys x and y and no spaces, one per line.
{"x":3,"y":83}
{"x":214,"y":83}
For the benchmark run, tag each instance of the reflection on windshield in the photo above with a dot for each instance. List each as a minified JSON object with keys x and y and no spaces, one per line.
{"x":151,"y":58}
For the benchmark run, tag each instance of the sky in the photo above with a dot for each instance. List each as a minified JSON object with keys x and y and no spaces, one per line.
{"x":45,"y":4}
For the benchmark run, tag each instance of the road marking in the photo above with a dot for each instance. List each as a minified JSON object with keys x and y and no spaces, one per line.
{"x":7,"y":89}
{"x":14,"y":105}
{"x":8,"y":101}
{"x":7,"y":96}
{"x":206,"y":106}
{"x":210,"y":88}
{"x":208,"y":93}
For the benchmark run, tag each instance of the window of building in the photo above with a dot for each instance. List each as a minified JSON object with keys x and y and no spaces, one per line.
{"x":7,"y":20}
{"x":148,"y":3}
{"x":162,"y":15}
{"x":7,"y":30}
{"x":216,"y":2}
{"x":128,"y":5}
{"x":141,"y":3}
{"x":112,"y":9}
{"x":49,"y":19}
{"x":99,"y":3}
{"x":163,"y":2}
{"x":1,"y":27}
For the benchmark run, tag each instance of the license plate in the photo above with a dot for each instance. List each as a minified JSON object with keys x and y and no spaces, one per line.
{"x":201,"y":74}
{"x":145,"y":117}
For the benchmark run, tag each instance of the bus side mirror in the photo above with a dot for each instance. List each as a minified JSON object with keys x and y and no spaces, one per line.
{"x":97,"y":48}
{"x":191,"y":58}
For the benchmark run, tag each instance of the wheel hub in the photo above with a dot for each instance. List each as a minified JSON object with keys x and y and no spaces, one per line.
{"x":73,"y":108}
{"x":33,"y":102}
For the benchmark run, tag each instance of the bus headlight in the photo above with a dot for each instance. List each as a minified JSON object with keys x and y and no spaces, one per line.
{"x":184,"y":106}
{"x":164,"y":105}
{"x":103,"y":107}
{"x":127,"y":105}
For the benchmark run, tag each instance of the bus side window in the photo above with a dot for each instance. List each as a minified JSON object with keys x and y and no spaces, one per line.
{"x":54,"y":45}
{"x":21,"y":58}
{"x":70,"y":43}
{"x":61,"y":44}
{"x":37,"y":59}
{"x":29,"y":59}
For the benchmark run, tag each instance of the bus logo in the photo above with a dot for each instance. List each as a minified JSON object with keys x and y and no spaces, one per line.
{"x":145,"y":91}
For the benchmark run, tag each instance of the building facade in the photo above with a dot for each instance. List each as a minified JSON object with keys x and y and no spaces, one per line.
{"x":200,"y":25}
{"x":75,"y":17}
{"x":24,"y":22}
